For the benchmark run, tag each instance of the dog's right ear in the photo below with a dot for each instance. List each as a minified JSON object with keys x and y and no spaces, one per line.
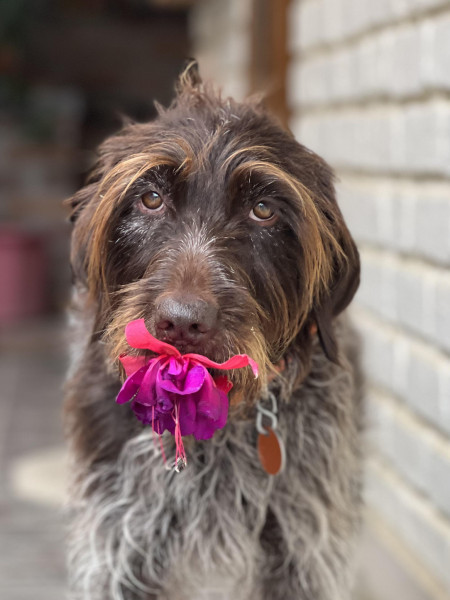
{"x":343,"y":288}
{"x":80,"y":204}
{"x":189,"y":79}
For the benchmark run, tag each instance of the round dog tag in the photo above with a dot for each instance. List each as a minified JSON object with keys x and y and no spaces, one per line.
{"x":271,"y":452}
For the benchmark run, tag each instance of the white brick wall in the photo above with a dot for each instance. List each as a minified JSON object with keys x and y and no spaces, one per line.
{"x":220,"y":35}
{"x":369,"y":89}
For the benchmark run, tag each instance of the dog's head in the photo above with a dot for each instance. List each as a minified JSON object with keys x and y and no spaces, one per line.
{"x":220,"y":230}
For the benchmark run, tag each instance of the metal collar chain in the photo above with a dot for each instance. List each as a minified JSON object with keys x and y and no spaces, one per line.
{"x":271,"y":415}
{"x":270,"y":445}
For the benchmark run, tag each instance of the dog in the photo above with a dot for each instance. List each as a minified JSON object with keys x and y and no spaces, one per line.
{"x":221,"y":231}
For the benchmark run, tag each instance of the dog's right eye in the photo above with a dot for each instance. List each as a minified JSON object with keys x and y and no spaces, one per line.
{"x":152,"y":200}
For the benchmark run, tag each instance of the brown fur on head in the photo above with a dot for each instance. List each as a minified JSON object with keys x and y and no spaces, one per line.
{"x":212,"y":161}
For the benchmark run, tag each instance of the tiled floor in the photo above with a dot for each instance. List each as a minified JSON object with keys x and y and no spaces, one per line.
{"x":32,"y":364}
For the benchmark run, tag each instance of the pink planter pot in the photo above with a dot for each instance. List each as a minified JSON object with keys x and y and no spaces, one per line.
{"x":23,"y":275}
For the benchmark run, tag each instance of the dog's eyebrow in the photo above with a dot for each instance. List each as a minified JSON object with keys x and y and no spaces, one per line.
{"x":268,"y":174}
{"x":247,"y":153}
{"x":175,"y":153}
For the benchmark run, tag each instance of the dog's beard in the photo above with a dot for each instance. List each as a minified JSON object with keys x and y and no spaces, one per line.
{"x":241,"y":317}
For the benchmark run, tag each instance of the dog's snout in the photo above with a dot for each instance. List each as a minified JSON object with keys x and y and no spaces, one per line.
{"x":185,"y":320}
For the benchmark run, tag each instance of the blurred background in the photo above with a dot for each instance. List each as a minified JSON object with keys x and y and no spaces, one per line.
{"x":364,"y":83}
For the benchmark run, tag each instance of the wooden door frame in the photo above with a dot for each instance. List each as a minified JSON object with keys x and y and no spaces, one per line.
{"x":269,"y":54}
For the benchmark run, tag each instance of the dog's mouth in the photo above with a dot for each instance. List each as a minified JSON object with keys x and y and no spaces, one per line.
{"x":189,"y":347}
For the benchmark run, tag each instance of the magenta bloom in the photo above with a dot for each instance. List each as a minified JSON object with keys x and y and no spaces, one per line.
{"x":174,"y":391}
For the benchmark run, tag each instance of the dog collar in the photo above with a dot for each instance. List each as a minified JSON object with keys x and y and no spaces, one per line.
{"x":270,"y":445}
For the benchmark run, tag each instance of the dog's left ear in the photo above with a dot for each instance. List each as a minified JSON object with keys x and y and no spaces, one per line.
{"x":343,"y":287}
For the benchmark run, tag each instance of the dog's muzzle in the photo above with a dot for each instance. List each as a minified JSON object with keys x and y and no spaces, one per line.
{"x":185,"y":321}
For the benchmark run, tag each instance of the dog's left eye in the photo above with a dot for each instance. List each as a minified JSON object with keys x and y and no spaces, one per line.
{"x":261,"y":212}
{"x":152,"y":200}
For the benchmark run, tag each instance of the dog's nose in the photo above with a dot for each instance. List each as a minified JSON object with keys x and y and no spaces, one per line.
{"x":184,"y":321}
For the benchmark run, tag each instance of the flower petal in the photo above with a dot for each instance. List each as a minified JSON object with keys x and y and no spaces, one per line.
{"x":223,"y":383}
{"x":147,"y":391}
{"x":206,"y":424}
{"x":183,"y":385}
{"x":187,"y":414}
{"x":143,"y":412}
{"x":177,"y":366}
{"x":131,"y":364}
{"x":131,"y":386}
{"x":164,"y":421}
{"x":139,"y":337}
{"x":235,"y":362}
{"x":208,"y":399}
{"x":204,"y":428}
{"x":214,"y":404}
{"x":164,"y":403}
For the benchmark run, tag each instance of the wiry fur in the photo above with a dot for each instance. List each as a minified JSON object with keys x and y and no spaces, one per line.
{"x":222,"y":528}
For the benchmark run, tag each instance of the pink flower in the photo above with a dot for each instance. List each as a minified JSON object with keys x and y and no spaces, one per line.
{"x":174,"y":391}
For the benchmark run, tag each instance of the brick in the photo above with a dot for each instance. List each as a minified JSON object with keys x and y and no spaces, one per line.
{"x":369,"y":291}
{"x":413,"y":218}
{"x":380,"y":211}
{"x":423,"y":390}
{"x":389,"y":63}
{"x":441,"y":52}
{"x":410,"y":296}
{"x":384,"y":65}
{"x":427,"y":4}
{"x":342,"y":75}
{"x":407,"y":292}
{"x":400,"y":235}
{"x":333,"y":20}
{"x":437,"y":476}
{"x":386,"y":358}
{"x":310,"y":24}
{"x":378,"y":283}
{"x":401,"y":8}
{"x":309,"y":82}
{"x":432,"y":222}
{"x":414,"y":371}
{"x":442,"y":311}
{"x":426,"y":533}
{"x":401,"y":359}
{"x":420,"y":455}
{"x":366,"y":54}
{"x":394,"y":433}
{"x":384,"y":139}
{"x":406,"y":69}
{"x":378,"y":353}
{"x":427,"y":147}
{"x":356,"y":19}
{"x":378,"y":12}
{"x":427,"y":59}
{"x":308,"y":132}
{"x":359,"y":204}
{"x":444,"y":395}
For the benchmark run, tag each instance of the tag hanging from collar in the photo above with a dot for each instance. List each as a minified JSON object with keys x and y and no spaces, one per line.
{"x":270,"y":445}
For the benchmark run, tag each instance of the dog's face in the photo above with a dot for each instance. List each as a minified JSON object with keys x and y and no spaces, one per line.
{"x":214,"y":225}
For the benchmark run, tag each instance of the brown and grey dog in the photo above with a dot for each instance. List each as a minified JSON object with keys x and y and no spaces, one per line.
{"x":220,"y":230}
